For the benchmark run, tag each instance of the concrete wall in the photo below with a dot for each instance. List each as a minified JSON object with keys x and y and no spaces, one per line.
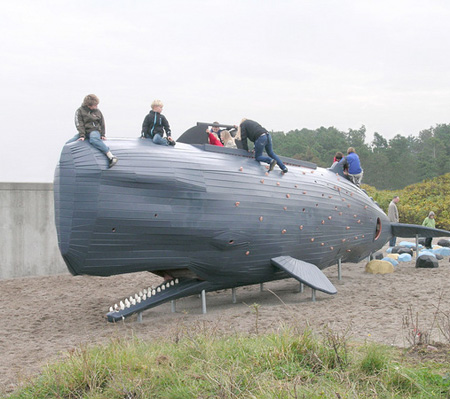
{"x":28,"y":241}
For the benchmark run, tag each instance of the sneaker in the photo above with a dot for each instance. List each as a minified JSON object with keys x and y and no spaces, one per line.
{"x":112,"y":161}
{"x":284,"y":171}
{"x":272,"y":165}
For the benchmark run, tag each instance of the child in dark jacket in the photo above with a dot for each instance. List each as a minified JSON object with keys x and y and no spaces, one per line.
{"x":90,"y":124}
{"x":155,"y":124}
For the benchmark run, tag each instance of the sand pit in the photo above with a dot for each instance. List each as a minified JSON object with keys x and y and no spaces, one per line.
{"x":45,"y":316}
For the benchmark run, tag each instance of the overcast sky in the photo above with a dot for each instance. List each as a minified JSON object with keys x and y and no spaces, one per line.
{"x":286,"y":64}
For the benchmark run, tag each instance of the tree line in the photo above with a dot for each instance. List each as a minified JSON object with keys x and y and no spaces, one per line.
{"x":388,"y":164}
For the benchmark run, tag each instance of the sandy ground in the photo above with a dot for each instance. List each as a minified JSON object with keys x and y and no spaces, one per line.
{"x":46,"y":316}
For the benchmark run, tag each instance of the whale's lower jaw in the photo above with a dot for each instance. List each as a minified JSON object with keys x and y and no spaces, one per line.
{"x":167,"y":291}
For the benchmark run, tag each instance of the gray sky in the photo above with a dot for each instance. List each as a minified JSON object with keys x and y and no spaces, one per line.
{"x":286,"y":64}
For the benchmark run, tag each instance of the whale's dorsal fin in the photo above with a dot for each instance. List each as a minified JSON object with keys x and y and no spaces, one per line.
{"x":305,"y":272}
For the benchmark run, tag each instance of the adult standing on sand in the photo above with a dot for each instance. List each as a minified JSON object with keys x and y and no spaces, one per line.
{"x":393,"y":217}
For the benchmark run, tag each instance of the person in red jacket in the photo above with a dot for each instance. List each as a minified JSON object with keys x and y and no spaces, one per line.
{"x":214,"y":135}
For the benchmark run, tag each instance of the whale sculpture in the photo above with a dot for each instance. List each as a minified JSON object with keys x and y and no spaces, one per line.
{"x":207,"y":218}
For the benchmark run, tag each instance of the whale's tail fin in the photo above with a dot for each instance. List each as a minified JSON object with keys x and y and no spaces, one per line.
{"x":412,"y":230}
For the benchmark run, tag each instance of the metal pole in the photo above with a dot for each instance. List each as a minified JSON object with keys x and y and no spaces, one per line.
{"x":139,"y":317}
{"x":233,"y":295}
{"x":417,"y":245}
{"x":313,"y":295}
{"x":302,"y":287}
{"x":340,"y":269}
{"x":261,"y":287}
{"x":173,"y":305}
{"x":203,"y":302}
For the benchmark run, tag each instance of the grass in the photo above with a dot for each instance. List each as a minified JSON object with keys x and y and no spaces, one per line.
{"x":202,"y":364}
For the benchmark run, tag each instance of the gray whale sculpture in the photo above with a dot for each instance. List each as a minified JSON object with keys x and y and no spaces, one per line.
{"x":209,"y":218}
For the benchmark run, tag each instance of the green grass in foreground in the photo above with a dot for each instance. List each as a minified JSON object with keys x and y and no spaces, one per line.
{"x":283,"y":365}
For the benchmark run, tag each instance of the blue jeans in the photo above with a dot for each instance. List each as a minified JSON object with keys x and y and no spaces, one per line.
{"x":392,"y":241}
{"x":94,"y":139}
{"x":158,"y":139}
{"x":264,"y":142}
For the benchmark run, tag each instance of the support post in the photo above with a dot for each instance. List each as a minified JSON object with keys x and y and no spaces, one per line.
{"x":203,"y":302}
{"x":173,"y":306}
{"x":340,"y":269}
{"x":417,"y":245}
{"x":302,"y":288}
{"x":261,"y":287}
{"x":233,"y":295}
{"x":313,"y":295}
{"x":139,"y":317}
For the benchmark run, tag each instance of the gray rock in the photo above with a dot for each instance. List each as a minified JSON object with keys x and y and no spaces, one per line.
{"x":377,"y":255}
{"x":405,"y":250}
{"x":427,"y":261}
{"x":444,"y":242}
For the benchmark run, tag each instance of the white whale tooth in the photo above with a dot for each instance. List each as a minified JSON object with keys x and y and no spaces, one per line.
{"x":140,"y":293}
{"x":122,"y":305}
{"x":145,"y":291}
{"x":144,"y":297}
{"x":163,"y":287}
{"x":176,"y":281}
{"x":167,"y":285}
{"x":116,"y":307}
{"x":153,"y":292}
{"x":111,"y":309}
{"x":138,"y":300}
{"x":127,"y":303}
{"x":158,"y":289}
{"x":171,"y":282}
{"x":136,"y":296}
{"x":133,"y":302}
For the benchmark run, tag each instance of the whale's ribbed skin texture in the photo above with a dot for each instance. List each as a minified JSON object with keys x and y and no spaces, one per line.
{"x":205,"y":214}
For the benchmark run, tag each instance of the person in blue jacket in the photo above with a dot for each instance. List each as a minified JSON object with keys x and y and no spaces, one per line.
{"x":355,"y":172}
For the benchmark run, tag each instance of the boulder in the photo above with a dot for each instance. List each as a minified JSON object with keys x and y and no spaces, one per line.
{"x":379,"y":267}
{"x":405,"y":250}
{"x":443,"y":251}
{"x":427,"y":261}
{"x":427,"y":252}
{"x":377,"y":255}
{"x":407,"y":244}
{"x":404,"y":257}
{"x":392,"y":261}
{"x":393,"y":256}
{"x":444,"y":242}
{"x":396,"y":249}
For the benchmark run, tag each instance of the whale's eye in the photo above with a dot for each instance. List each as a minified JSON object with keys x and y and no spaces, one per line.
{"x":378,"y":229}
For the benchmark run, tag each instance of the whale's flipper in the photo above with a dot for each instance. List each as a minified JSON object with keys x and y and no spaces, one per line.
{"x":305,"y":272}
{"x":411,"y":230}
